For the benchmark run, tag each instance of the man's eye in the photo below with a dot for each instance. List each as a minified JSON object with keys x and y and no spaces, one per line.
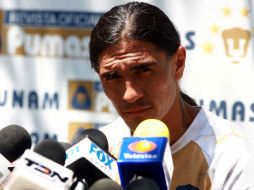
{"x":143,"y":69}
{"x":111,"y":76}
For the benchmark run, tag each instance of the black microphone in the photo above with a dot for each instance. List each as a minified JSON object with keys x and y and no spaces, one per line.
{"x":65,"y":145}
{"x":52,"y":150}
{"x":88,"y":157}
{"x":14,"y":140}
{"x":95,"y":135}
{"x":105,"y":184}
{"x":142,"y":184}
{"x":42,"y":169}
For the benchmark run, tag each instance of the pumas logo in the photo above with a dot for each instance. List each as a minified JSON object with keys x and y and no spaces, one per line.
{"x":236,"y":41}
{"x":143,"y":146}
{"x":88,"y":96}
{"x":80,"y":95}
{"x":229,"y":36}
{"x":81,"y":98}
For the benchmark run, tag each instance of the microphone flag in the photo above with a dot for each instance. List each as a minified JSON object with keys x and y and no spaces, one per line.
{"x":89,"y":150}
{"x":145,"y":157}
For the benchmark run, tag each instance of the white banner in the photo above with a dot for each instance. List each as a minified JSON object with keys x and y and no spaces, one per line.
{"x":48,"y":87}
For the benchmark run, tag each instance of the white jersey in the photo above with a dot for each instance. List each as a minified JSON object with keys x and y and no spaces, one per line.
{"x":211,"y":154}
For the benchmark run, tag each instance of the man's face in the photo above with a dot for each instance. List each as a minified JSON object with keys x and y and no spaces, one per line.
{"x":139,"y":79}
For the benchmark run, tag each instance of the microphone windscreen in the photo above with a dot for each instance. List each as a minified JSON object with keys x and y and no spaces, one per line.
{"x":51,"y":150}
{"x":147,"y":154}
{"x":14,"y":140}
{"x":105,"y":184}
{"x":152,"y":128}
{"x":142,"y":184}
{"x":88,"y":157}
{"x":83,"y":168}
{"x":95,"y":135}
{"x":65,"y":145}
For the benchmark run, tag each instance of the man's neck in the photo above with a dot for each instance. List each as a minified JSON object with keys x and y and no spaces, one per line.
{"x":180,"y":119}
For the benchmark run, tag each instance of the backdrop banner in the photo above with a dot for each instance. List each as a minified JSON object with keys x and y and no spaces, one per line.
{"x":48,"y":86}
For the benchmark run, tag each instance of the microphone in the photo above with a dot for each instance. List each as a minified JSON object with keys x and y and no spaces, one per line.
{"x":65,"y":145}
{"x":152,"y":128}
{"x":95,"y":135}
{"x":88,"y":158}
{"x":4,"y":168}
{"x":36,"y":170}
{"x":105,"y":184}
{"x":148,"y":157}
{"x":52,"y":150}
{"x":142,"y":184}
{"x":14,"y":140}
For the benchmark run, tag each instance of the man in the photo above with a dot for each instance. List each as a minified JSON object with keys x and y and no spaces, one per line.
{"x":137,"y":53}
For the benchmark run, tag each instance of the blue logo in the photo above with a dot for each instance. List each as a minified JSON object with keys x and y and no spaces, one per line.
{"x":81,"y":99}
{"x":101,"y":155}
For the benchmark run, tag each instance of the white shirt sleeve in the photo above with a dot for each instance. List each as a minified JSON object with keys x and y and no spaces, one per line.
{"x":230,"y":160}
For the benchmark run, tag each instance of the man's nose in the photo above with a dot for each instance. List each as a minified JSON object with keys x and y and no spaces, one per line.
{"x":132,"y":92}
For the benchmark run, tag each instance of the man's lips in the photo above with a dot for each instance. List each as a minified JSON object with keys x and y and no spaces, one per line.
{"x":137,"y":110}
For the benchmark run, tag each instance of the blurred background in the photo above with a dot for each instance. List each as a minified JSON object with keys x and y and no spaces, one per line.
{"x":48,"y":87}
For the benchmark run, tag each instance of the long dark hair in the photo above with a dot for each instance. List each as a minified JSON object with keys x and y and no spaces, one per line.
{"x":137,"y":21}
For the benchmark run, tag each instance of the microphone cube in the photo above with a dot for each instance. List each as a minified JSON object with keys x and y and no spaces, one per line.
{"x":145,"y":157}
{"x":35,"y":171}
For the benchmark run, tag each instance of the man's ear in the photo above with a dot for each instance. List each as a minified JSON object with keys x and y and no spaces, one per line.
{"x":180,"y":62}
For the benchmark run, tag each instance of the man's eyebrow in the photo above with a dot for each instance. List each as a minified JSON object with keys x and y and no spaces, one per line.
{"x":134,"y":67}
{"x":108,"y":73}
{"x":142,"y":65}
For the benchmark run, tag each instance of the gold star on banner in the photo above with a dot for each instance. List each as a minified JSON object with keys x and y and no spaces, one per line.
{"x":207,"y":47}
{"x":214,"y":28}
{"x":227,"y":11}
{"x":244,"y":11}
